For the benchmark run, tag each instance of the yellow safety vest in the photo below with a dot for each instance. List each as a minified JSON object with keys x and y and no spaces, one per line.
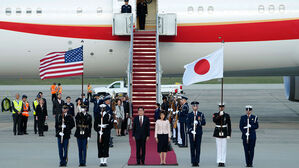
{"x":17,"y":105}
{"x":35,"y":103}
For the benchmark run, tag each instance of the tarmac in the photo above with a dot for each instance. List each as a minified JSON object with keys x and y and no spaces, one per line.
{"x":277,"y":138}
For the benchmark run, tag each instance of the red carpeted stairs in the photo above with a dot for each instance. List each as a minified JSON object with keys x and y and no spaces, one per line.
{"x":144,"y":93}
{"x":144,"y":73}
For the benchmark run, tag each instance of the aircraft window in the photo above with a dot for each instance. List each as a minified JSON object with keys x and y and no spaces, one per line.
{"x":210,"y":9}
{"x":271,"y":8}
{"x":261,"y":9}
{"x":28,"y":11}
{"x":39,"y":11}
{"x":200,"y":10}
{"x":99,"y":10}
{"x":190,"y":9}
{"x":79,"y":11}
{"x":18,"y":11}
{"x":282,"y":8}
{"x":8,"y":11}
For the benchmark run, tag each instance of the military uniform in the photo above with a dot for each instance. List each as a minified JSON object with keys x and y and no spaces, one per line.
{"x":195,"y":136}
{"x":126,"y":9}
{"x":221,"y":132}
{"x":182,"y":119}
{"x":83,"y":132}
{"x":141,"y":13}
{"x":248,"y":125}
{"x":102,"y":125}
{"x":63,"y":136}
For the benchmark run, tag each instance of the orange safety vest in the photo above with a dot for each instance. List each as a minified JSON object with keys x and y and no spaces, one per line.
{"x":25,"y":110}
{"x":60,"y":89}
{"x":53,"y":89}
{"x":89,"y":89}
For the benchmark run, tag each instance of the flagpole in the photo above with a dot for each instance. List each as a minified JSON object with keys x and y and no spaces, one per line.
{"x":222,"y":81}
{"x":82,"y":73}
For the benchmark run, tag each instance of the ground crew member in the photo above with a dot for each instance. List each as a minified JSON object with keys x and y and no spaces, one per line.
{"x":16,"y":114}
{"x":63,"y":125}
{"x":25,"y":114}
{"x":59,"y":89}
{"x":126,"y":8}
{"x":182,"y":119}
{"x":222,"y":132}
{"x":102,"y":125}
{"x":195,"y":121}
{"x":89,"y":92}
{"x":248,"y":125}
{"x":34,"y":105}
{"x":83,"y":133}
{"x":53,"y":90}
{"x":141,"y":13}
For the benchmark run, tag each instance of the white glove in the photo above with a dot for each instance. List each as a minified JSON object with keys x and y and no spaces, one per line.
{"x":177,"y":112}
{"x":195,"y":122}
{"x":104,"y":126}
{"x":248,"y":126}
{"x":61,"y":133}
{"x":247,"y":134}
{"x":228,"y":137}
{"x":221,"y":113}
{"x":100,"y":133}
{"x":115,"y":121}
{"x":63,"y":126}
{"x":174,"y":113}
{"x":88,"y":138}
{"x":193,"y":132}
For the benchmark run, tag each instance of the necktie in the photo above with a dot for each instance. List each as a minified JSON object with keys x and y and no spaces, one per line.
{"x":140,"y":121}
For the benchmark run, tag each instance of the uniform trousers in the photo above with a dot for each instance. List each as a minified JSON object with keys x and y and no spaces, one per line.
{"x":63,"y":150}
{"x":82,"y":147}
{"x":179,"y":133}
{"x":221,"y":144}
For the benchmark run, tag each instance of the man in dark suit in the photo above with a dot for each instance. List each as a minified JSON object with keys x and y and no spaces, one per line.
{"x":126,"y":8}
{"x":97,"y":102}
{"x":157,"y":112}
{"x":57,"y":106}
{"x":71,"y":106}
{"x":141,"y":134}
{"x":85,"y":101}
{"x":141,"y":13}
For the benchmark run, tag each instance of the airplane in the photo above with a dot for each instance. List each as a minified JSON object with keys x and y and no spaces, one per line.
{"x":260,"y":37}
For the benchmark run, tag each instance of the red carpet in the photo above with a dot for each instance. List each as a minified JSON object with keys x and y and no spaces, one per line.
{"x":152,"y":157}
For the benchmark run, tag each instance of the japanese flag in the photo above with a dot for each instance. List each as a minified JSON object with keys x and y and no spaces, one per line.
{"x":203,"y":69}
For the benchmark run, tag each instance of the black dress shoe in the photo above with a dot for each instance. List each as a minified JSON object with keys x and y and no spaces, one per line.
{"x":138,"y":163}
{"x":101,"y":165}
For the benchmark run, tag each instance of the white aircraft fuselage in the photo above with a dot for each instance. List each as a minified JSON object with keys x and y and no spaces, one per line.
{"x":260,"y":36}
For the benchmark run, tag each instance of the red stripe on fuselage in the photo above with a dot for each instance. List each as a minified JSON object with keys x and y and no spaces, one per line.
{"x":235,"y":32}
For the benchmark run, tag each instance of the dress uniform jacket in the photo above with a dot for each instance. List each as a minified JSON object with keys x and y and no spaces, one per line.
{"x":253,"y":121}
{"x":126,"y":9}
{"x":200,"y":118}
{"x":68,"y":121}
{"x":183,"y":113}
{"x":83,"y":125}
{"x":223,"y":120}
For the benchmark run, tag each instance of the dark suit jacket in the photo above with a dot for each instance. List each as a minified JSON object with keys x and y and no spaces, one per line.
{"x":141,"y":9}
{"x":41,"y":112}
{"x":143,"y":131}
{"x":57,"y":107}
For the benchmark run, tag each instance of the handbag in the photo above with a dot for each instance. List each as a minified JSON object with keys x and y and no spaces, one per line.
{"x":46,"y":127}
{"x":169,"y":148}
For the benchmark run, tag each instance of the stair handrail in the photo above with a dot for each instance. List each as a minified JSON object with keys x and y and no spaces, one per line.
{"x":130,"y":64}
{"x":158,"y":68}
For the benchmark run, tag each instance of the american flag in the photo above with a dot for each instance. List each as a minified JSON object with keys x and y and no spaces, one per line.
{"x":62,"y":64}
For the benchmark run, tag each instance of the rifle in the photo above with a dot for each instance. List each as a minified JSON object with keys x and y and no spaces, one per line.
{"x":247,"y":133}
{"x":62,"y":128}
{"x":194,"y":127}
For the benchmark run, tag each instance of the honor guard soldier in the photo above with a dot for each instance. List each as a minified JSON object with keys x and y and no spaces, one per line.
{"x":222,"y":132}
{"x":248,"y":125}
{"x":107,"y":102}
{"x":195,"y":121}
{"x":64,"y":125}
{"x":102,"y":125}
{"x":16,"y":114}
{"x":83,"y":133}
{"x":141,"y":13}
{"x":182,"y":119}
{"x":126,"y":8}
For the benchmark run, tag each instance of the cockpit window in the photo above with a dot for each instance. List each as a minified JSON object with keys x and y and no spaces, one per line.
{"x":8,"y":11}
